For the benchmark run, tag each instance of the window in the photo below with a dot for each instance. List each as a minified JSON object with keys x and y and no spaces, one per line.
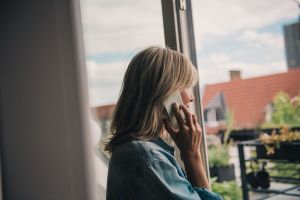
{"x":113,"y":32}
{"x":247,"y":52}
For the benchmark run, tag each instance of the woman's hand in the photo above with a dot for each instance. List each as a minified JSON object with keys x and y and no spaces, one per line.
{"x":188,"y":136}
{"x":188,"y":139}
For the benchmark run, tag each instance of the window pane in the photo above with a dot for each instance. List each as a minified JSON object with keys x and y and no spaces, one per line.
{"x":114,"y":31}
{"x":247,"y":52}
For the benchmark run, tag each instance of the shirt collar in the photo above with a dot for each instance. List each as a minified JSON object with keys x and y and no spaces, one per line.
{"x":160,"y":142}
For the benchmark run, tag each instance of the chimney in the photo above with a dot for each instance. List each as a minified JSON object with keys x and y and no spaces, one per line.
{"x":235,"y":75}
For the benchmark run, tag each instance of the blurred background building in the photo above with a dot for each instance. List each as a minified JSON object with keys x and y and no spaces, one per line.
{"x":292,"y":44}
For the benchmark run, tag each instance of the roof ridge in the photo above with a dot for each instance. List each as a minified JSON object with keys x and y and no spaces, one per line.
{"x":257,"y":77}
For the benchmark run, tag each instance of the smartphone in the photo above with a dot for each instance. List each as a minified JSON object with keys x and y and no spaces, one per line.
{"x":175,"y":98}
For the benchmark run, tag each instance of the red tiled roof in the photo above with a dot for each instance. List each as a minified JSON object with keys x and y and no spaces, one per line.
{"x":247,"y":98}
{"x":103,"y":112}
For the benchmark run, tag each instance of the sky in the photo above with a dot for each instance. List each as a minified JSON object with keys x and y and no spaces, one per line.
{"x":230,"y":35}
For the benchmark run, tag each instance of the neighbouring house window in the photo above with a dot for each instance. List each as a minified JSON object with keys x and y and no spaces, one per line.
{"x":219,"y":115}
{"x":210,"y":115}
{"x":213,"y":116}
{"x":215,"y":110}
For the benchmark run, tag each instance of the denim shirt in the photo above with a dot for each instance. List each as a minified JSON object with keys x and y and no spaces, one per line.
{"x":141,"y":170}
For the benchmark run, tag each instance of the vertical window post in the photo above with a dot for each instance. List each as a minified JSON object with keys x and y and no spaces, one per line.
{"x":179,"y":35}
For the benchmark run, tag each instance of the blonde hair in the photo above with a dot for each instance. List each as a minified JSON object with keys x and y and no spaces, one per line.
{"x":151,"y":77}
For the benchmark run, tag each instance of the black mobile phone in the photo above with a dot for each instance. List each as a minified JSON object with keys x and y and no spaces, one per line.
{"x":175,"y":98}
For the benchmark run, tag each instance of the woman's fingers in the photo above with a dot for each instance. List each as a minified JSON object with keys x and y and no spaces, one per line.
{"x":198,"y":128}
{"x":196,"y":123}
{"x":195,"y":120}
{"x":178,"y":115}
{"x":188,"y":115}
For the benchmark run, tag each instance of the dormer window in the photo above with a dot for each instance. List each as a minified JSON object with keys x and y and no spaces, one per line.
{"x":215,"y":111}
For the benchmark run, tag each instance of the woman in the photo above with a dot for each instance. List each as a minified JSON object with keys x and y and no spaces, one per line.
{"x":142,"y":165}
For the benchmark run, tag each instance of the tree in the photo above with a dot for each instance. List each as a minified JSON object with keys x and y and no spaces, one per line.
{"x":286,"y":111}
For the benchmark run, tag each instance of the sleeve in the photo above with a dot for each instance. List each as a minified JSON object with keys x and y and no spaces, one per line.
{"x":205,"y":194}
{"x":162,"y":180}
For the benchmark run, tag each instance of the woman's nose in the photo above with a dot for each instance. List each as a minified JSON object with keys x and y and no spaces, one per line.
{"x":192,"y":98}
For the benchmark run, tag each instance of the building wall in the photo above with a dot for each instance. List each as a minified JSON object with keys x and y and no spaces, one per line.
{"x":292,"y":44}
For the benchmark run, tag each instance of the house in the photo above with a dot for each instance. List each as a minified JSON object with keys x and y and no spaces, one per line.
{"x":102,"y":115}
{"x":248,"y":101}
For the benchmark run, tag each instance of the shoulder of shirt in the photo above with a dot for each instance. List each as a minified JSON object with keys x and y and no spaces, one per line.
{"x":141,"y":151}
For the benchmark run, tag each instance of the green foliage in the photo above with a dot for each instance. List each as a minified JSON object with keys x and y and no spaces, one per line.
{"x":286,"y":111}
{"x":288,"y":170}
{"x":229,"y":190}
{"x":229,"y":124}
{"x":275,"y":169}
{"x":218,"y":156}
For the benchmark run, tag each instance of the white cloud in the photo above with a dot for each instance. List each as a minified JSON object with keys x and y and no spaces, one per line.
{"x":105,"y":81}
{"x":223,"y":17}
{"x":253,"y":38}
{"x":214,"y":70}
{"x":103,"y":95}
{"x":121,"y":25}
{"x":107,"y":71}
{"x":218,"y":58}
